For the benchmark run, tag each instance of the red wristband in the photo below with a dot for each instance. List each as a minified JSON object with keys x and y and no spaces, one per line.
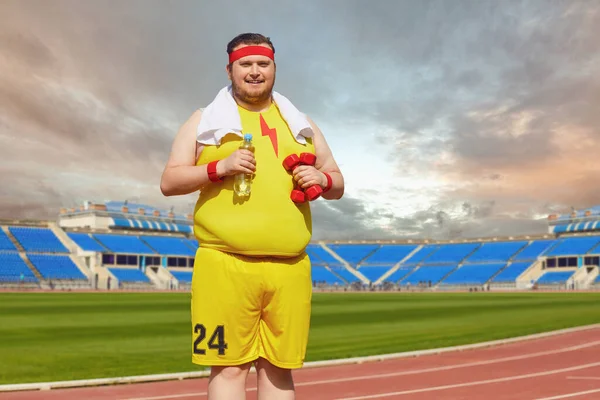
{"x":329,"y":182}
{"x":211,"y":168}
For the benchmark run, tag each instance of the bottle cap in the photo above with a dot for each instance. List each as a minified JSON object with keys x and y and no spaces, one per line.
{"x":248,"y":136}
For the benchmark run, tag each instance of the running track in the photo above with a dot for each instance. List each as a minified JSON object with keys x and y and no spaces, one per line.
{"x":565,"y":366}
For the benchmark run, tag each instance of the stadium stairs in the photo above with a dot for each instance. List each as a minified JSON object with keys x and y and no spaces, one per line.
{"x":33,"y":269}
{"x":586,"y":276}
{"x":439,"y":283}
{"x":63,"y":238}
{"x":23,"y":256}
{"x":397,"y":266}
{"x":160,"y":277}
{"x":353,"y":271}
{"x":509,"y":262}
{"x":532,"y":273}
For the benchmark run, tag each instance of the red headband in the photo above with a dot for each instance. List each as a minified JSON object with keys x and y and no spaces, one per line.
{"x":251,"y":51}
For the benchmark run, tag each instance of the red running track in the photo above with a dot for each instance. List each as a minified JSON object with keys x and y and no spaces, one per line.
{"x":565,"y":366}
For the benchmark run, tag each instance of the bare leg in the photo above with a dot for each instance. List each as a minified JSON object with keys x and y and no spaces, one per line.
{"x":274,"y":383}
{"x":228,"y":383}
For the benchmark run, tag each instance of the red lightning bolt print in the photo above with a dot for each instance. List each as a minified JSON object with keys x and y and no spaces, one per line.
{"x":270,"y":132}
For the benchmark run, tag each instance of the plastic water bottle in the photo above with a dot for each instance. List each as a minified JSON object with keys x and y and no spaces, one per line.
{"x":242,"y":184}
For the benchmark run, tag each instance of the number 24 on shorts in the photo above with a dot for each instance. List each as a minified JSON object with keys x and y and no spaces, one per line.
{"x":217,"y":336}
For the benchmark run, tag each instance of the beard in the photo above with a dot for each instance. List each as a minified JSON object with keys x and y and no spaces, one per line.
{"x":252,"y":96}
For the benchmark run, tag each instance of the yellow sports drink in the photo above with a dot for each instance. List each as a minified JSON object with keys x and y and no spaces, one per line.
{"x":242,"y":185}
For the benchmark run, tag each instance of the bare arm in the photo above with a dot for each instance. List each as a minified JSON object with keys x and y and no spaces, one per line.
{"x":307,"y":176}
{"x":182,"y":176}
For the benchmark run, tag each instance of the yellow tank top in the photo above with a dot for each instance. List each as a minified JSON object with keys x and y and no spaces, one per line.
{"x":268,"y":223}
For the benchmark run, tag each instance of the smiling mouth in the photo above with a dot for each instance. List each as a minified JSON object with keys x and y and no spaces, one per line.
{"x":255,"y":82}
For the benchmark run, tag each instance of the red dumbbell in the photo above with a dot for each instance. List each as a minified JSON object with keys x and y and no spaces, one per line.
{"x":291,"y":162}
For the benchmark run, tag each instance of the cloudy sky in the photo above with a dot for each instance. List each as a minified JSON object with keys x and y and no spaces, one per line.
{"x":448,"y":118}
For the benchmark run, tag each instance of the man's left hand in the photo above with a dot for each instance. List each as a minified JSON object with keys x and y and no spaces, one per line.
{"x":307,"y":176}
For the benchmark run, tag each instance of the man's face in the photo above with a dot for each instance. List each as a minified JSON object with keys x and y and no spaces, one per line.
{"x":252,"y":78}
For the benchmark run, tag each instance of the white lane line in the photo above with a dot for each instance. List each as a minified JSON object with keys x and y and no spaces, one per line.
{"x":401,"y":373}
{"x":593,"y":378}
{"x":474,"y":383}
{"x":566,"y":396}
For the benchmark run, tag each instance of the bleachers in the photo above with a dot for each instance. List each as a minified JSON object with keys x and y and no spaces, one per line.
{"x":450,"y":253}
{"x":389,"y":254}
{"x":168,"y":246}
{"x":554,"y":277}
{"x":472,"y":274}
{"x":41,"y":240}
{"x":512,"y":272}
{"x":534,"y":250}
{"x":495,"y":252}
{"x":353,"y":253}
{"x":320,"y":256}
{"x":421,"y":254}
{"x":56,"y":267}
{"x":321,"y":274}
{"x":124,"y":244}
{"x":182,"y":276}
{"x":11,"y":268}
{"x":344,"y":273}
{"x":5,"y":243}
{"x":86,"y":242}
{"x":399,"y":274}
{"x":373,"y":273}
{"x":574,"y":246}
{"x":429,"y":274}
{"x":129,"y":275}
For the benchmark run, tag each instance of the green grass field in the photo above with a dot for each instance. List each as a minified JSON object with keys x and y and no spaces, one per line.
{"x":63,"y":336}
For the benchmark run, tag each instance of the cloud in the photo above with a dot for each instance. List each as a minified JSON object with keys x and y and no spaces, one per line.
{"x":466,"y":118}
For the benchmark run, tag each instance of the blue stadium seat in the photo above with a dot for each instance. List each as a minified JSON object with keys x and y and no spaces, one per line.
{"x":555,"y":277}
{"x":344,"y":274}
{"x":129,"y":275}
{"x":123,"y":244}
{"x":353,"y":253}
{"x":319,"y":256}
{"x":41,"y":240}
{"x":495,"y":252}
{"x":472,"y":274}
{"x":372,"y":273}
{"x":122,"y":222}
{"x":5,"y":243}
{"x":182,"y":276}
{"x":191,"y":243}
{"x":427,"y":274}
{"x":86,"y":243}
{"x":389,"y":254}
{"x":399,"y":274}
{"x":512,"y":272}
{"x":572,"y":246}
{"x":168,"y":246}
{"x":322,"y":274}
{"x":185,"y":228}
{"x":421,"y":254}
{"x":451,"y":253}
{"x":534,"y":250}
{"x":56,"y":267}
{"x":11,"y":268}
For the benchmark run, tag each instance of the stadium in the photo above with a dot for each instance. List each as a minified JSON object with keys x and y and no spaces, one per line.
{"x":115,"y":278}
{"x":125,"y":246}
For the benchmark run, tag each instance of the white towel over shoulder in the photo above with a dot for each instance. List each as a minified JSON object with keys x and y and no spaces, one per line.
{"x":222,"y":117}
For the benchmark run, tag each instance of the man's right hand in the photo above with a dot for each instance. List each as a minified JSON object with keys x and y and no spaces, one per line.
{"x":240,"y":161}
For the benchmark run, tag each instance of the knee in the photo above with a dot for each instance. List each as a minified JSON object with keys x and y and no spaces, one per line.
{"x":233,"y":373}
{"x":274,"y":372}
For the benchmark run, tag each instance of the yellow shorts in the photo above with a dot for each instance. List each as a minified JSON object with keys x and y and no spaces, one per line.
{"x":245,"y":307}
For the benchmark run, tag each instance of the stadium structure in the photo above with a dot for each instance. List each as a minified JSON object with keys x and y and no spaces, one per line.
{"x":125,"y":246}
